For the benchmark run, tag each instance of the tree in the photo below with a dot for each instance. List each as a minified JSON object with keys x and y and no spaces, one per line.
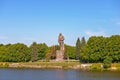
{"x":3,"y":53}
{"x":34,"y":50}
{"x":98,"y":47}
{"x":78,"y":46}
{"x":66,"y":56}
{"x":83,"y":42}
{"x":17,"y":53}
{"x":69,"y":52}
{"x":42,"y":50}
{"x":113,"y":47}
{"x":107,"y":62}
{"x":51,"y":52}
{"x":84,"y":55}
{"x":48,"y":54}
{"x":1,"y":45}
{"x":95,"y":48}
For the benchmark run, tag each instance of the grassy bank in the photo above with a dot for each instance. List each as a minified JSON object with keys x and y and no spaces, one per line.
{"x":4,"y":64}
{"x":61,"y":65}
{"x":64,"y":65}
{"x":116,"y":66}
{"x":99,"y":66}
{"x":96,"y":66}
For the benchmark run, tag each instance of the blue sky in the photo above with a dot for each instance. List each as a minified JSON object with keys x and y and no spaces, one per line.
{"x":26,"y":21}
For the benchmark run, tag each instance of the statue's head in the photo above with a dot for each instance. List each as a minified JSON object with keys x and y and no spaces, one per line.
{"x":60,"y":34}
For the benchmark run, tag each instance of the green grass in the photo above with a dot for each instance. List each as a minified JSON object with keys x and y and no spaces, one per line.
{"x":52,"y":63}
{"x":64,"y":65}
{"x":117,"y":65}
{"x":96,"y":66}
{"x":4,"y":64}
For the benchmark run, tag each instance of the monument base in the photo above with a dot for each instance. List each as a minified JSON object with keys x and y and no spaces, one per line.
{"x":59,"y":55}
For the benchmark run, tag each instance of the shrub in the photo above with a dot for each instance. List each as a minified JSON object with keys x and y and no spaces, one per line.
{"x":4,"y":64}
{"x":107,"y":62}
{"x":95,"y":67}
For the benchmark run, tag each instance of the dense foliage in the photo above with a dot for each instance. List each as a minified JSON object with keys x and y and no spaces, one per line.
{"x":107,"y":62}
{"x":99,"y":48}
{"x":21,"y":53}
{"x":14,"y":53}
{"x":79,"y":45}
{"x":69,"y":52}
{"x":51,"y":52}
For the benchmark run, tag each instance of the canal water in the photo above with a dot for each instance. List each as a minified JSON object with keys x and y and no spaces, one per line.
{"x":56,"y":74}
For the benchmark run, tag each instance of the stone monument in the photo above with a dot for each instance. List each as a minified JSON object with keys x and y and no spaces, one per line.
{"x":60,"y":53}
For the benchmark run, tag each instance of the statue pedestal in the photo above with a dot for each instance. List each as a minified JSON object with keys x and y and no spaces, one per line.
{"x":59,"y":55}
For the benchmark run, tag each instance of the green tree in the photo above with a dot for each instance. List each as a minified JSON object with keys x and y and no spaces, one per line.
{"x":107,"y":62}
{"x":3,"y":53}
{"x":113,"y":47}
{"x":83,"y":42}
{"x":98,"y":47}
{"x":34,"y":52}
{"x":17,"y":53}
{"x":66,"y":56}
{"x":69,"y":52}
{"x":84,"y":56}
{"x":48,"y":54}
{"x":51,"y":52}
{"x":1,"y":45}
{"x":78,"y":47}
{"x":42,"y":50}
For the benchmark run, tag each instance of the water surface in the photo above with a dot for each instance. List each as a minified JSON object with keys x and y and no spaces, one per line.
{"x":56,"y":74}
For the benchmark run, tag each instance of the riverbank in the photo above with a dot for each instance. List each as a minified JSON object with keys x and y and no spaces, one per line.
{"x":60,"y":65}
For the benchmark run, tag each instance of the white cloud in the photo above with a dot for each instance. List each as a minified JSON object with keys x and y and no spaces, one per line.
{"x":98,"y":33}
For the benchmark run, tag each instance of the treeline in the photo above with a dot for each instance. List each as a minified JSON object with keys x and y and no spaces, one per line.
{"x":96,"y":49}
{"x":20,"y":52}
{"x":101,"y":49}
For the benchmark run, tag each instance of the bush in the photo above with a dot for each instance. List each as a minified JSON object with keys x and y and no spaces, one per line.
{"x":95,"y":67}
{"x":107,"y":62}
{"x":4,"y":64}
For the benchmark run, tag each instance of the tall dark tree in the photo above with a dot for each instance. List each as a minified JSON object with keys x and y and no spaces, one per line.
{"x":34,"y":52}
{"x":83,"y":42}
{"x":78,"y":46}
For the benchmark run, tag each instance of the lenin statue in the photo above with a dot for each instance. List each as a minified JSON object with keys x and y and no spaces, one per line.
{"x":61,"y":41}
